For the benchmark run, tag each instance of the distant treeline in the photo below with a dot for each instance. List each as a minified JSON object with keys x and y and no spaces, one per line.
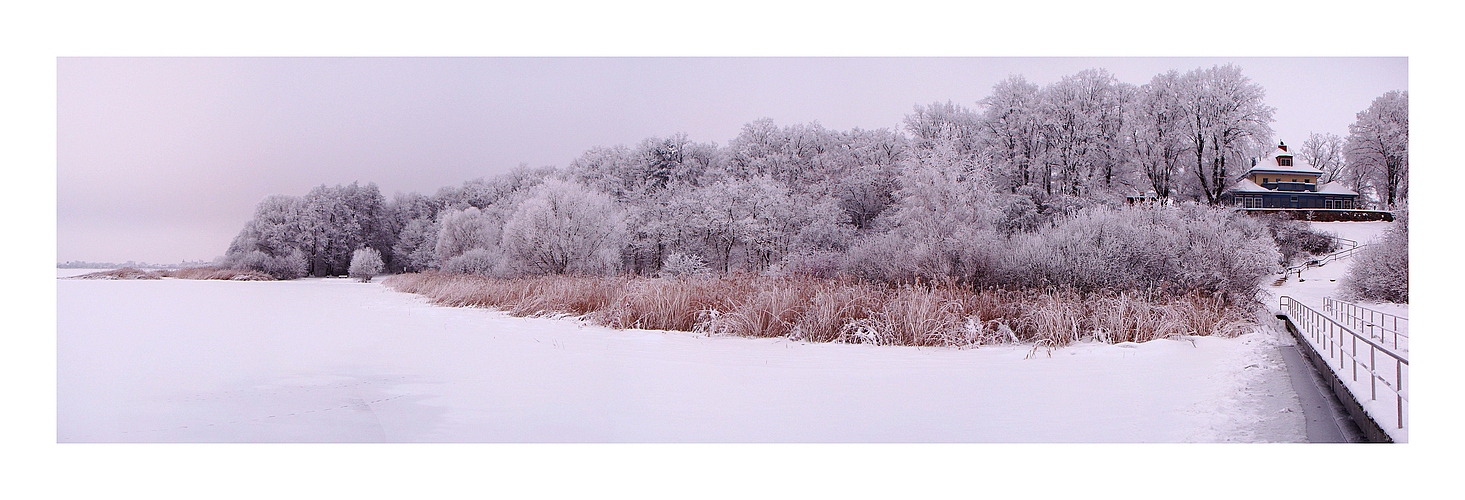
{"x":78,"y":264}
{"x":1025,"y":191}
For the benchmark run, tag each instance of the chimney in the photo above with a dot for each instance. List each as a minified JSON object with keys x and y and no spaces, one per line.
{"x":1282,"y":146}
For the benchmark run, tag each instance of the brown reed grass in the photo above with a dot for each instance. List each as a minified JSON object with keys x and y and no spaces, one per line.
{"x":215,"y":273}
{"x":126,"y":273}
{"x":842,"y":310}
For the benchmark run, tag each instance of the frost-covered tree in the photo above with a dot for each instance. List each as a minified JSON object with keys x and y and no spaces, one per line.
{"x":366,"y":263}
{"x":1226,"y":118}
{"x":940,"y":226}
{"x":1378,"y":146}
{"x":663,"y":161}
{"x":337,"y":220}
{"x":416,"y":246}
{"x":563,"y":228}
{"x":615,"y":171}
{"x":464,"y":230}
{"x":1157,"y":134}
{"x":946,"y":125}
{"x":1011,"y":136}
{"x":1082,"y":120}
{"x":865,"y":185}
{"x":493,"y":194}
{"x":271,"y":242}
{"x":1325,"y":152}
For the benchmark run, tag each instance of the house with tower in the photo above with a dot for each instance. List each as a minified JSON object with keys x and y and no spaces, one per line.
{"x":1278,"y":182}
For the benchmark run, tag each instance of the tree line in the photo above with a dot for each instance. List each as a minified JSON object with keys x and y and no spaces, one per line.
{"x":952,"y":194}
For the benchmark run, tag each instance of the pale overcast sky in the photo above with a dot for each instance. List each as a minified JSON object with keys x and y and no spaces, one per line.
{"x":163,"y":160}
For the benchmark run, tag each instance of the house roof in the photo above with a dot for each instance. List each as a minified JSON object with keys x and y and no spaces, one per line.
{"x":1335,"y":188}
{"x":1269,"y":165}
{"x":1246,"y":186}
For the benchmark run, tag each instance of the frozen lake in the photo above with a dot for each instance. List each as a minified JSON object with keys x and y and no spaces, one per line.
{"x":331,"y":360}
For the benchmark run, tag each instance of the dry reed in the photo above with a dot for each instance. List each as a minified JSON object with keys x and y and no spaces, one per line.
{"x":838,"y":310}
{"x":214,"y":273}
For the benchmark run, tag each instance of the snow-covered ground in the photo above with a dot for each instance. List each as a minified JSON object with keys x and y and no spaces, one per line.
{"x":333,"y":360}
{"x":1319,"y":282}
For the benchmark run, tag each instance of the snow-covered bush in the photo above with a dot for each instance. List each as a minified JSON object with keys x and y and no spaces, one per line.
{"x":285,"y":267}
{"x":680,"y":265}
{"x":564,"y":228}
{"x":1380,"y":271}
{"x":1019,"y":215}
{"x":366,"y":263}
{"x":813,"y":264}
{"x":1179,"y":249}
{"x":479,"y":261}
{"x":1295,"y":238}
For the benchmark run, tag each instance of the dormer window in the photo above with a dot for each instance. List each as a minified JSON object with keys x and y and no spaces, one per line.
{"x":1285,"y":161}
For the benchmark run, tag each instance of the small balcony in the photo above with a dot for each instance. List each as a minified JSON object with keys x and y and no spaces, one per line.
{"x":1291,"y":186}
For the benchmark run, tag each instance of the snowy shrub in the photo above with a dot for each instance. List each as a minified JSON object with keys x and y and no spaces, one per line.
{"x":479,"y":261}
{"x":366,"y":263}
{"x":1380,"y":271}
{"x":285,"y":267}
{"x":1019,"y":215}
{"x":1295,"y":238}
{"x":680,"y":265}
{"x":1143,"y":248}
{"x":813,"y":264}
{"x":564,"y":228}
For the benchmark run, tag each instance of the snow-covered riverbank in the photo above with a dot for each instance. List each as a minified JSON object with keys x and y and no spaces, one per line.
{"x":333,"y":360}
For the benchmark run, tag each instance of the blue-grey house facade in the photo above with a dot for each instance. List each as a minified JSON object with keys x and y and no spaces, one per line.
{"x":1277,"y":182}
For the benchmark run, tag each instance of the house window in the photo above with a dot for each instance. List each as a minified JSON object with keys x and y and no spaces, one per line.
{"x":1285,"y":161}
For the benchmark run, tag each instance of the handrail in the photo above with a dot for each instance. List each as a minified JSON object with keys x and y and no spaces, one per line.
{"x":1340,"y":345}
{"x":1319,"y":262}
{"x":1378,"y":324}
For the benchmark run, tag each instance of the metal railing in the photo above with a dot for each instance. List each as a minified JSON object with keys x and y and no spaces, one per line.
{"x":1353,"y":247}
{"x":1392,"y":330}
{"x":1347,"y":351}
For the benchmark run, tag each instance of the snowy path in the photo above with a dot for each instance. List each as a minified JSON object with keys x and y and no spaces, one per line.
{"x":332,"y":360}
{"x":1318,"y":282}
